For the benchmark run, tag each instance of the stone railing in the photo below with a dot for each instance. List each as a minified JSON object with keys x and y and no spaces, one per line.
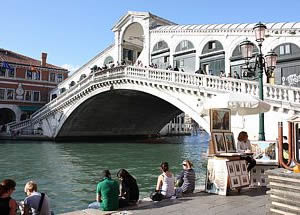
{"x":207,"y":83}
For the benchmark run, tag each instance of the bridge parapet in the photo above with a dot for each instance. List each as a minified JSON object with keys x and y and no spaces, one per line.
{"x":276,"y":95}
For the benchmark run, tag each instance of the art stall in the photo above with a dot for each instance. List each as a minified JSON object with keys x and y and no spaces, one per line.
{"x":226,"y":168}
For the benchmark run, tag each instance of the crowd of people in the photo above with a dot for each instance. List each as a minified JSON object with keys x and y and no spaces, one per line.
{"x":110,"y":194}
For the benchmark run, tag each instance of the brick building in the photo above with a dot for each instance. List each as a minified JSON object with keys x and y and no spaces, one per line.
{"x":25,"y":84}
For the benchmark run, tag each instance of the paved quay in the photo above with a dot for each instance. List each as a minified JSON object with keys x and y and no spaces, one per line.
{"x":248,"y":201}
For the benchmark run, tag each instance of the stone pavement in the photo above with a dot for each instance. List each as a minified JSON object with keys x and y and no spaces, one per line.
{"x":248,"y":201}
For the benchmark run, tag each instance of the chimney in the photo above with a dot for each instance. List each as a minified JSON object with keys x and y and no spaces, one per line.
{"x":44,"y":59}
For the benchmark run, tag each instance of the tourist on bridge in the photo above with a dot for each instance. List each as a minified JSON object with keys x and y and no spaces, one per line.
{"x":236,"y":75}
{"x":186,"y":180}
{"x":129,"y":190}
{"x":35,"y":203}
{"x":243,"y":145}
{"x":8,"y":206}
{"x":107,"y":193}
{"x":166,"y":181}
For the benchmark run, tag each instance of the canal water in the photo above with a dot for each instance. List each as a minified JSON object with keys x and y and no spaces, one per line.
{"x":69,"y":172}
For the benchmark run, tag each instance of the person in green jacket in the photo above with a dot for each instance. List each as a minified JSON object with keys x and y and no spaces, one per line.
{"x":107,"y":193}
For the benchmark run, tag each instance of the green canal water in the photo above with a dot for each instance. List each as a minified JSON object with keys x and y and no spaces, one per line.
{"x":69,"y":172}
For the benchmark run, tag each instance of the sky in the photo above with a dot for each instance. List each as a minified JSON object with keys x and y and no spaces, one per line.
{"x":73,"y":31}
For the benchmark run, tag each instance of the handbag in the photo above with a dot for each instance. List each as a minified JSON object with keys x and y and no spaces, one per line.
{"x":156,"y":196}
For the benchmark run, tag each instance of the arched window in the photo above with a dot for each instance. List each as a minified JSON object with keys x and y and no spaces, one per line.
{"x":212,"y":46}
{"x":83,"y":76}
{"x":288,"y":65}
{"x":62,"y":90}
{"x":72,"y":84}
{"x":108,"y":60}
{"x":160,"y":46}
{"x":160,"y":55}
{"x":184,"y":45}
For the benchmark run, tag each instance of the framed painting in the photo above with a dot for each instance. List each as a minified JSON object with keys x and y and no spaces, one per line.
{"x":244,"y":167}
{"x":244,"y":180}
{"x":237,"y":167}
{"x":229,"y":141}
{"x":230,"y":168}
{"x":219,"y":143}
{"x":220,"y":120}
{"x":235,"y":181}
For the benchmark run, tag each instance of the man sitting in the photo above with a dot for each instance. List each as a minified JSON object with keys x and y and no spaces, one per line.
{"x":107,"y":193}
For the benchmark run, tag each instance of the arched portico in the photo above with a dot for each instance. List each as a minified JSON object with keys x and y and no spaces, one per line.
{"x":160,"y":55}
{"x":7,"y":115}
{"x":132,"y":42}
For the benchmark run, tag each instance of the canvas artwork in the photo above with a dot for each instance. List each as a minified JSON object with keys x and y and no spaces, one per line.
{"x":244,"y":180}
{"x":235,"y":181}
{"x":244,"y":167}
{"x":265,"y":151}
{"x":230,"y":168}
{"x":220,"y":120}
{"x":229,"y":141}
{"x":237,"y":167}
{"x":219,"y":142}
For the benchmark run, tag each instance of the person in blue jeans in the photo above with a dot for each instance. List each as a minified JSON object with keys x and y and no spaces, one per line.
{"x":107,"y":193}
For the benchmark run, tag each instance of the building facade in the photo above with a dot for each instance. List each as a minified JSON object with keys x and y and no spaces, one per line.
{"x":25,"y":84}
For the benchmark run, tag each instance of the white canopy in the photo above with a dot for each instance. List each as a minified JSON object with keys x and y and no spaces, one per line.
{"x":239,"y":103}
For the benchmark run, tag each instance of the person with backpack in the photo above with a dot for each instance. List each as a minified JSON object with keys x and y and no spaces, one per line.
{"x":35,"y":203}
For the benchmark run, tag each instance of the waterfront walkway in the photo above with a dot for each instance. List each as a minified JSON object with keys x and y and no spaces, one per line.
{"x":249,"y":201}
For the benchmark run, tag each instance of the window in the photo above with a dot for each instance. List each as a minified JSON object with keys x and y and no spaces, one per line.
{"x":184,"y":44}
{"x":10,"y":94}
{"x":11,"y":73}
{"x":285,"y":49}
{"x":166,"y":59}
{"x":27,"y":95}
{"x":36,"y":75}
{"x":29,"y":74}
{"x":212,"y":45}
{"x":2,"y":72}
{"x":52,"y":77}
{"x":59,"y":78}
{"x":2,"y":94}
{"x":36,"y":96}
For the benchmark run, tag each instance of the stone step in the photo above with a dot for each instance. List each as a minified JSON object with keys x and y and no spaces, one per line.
{"x":283,"y":208}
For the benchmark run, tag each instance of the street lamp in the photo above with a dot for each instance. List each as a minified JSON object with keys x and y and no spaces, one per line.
{"x":265,"y":64}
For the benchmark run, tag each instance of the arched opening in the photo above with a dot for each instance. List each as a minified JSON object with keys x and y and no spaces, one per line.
{"x":287,"y":71}
{"x":53,"y":96}
{"x":108,"y":60}
{"x":62,"y":90}
{"x":72,"y":84}
{"x":185,"y":57}
{"x":160,"y":55}
{"x":237,"y":63}
{"x":83,"y":76}
{"x":7,"y":116}
{"x":132,"y":43}
{"x":212,"y":58}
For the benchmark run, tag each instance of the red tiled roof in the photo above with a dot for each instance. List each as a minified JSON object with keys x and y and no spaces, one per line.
{"x":13,"y":57}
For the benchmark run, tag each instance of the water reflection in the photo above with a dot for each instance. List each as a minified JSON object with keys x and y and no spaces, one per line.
{"x":68,"y":173}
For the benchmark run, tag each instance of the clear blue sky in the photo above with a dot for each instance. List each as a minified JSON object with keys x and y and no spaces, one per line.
{"x":74,"y":31}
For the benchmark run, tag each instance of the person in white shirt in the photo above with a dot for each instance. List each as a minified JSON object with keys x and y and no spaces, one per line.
{"x":166,"y":181}
{"x":243,"y":145}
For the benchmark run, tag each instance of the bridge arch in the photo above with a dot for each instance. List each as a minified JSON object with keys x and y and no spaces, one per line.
{"x":170,"y":107}
{"x":7,"y":115}
{"x":185,"y":56}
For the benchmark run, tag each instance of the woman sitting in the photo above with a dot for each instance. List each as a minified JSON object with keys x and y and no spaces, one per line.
{"x":166,"y":181}
{"x":8,"y":206}
{"x":186,"y":180}
{"x":243,"y":145}
{"x":129,"y":190}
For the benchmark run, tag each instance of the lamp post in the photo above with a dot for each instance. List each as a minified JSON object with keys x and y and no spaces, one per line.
{"x":263,"y":63}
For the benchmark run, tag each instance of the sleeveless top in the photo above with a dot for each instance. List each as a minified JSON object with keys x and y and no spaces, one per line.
{"x":4,"y":206}
{"x":167,"y":188}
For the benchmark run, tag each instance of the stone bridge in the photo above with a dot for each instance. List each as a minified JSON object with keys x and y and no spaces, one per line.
{"x":130,"y":100}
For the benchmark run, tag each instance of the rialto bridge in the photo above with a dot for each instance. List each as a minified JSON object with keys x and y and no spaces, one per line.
{"x":134,"y":100}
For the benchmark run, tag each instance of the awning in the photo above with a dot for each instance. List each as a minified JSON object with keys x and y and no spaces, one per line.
{"x":29,"y":108}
